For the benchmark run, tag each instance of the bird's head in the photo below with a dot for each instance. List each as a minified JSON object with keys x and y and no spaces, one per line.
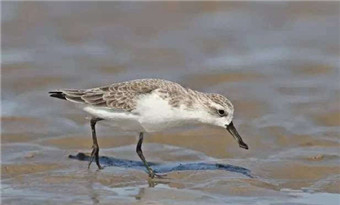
{"x":219,"y":112}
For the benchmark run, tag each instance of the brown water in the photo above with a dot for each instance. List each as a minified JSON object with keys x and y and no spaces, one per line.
{"x":277,"y":61}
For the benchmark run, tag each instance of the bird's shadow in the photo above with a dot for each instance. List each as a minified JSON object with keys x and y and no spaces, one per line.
{"x":166,"y":167}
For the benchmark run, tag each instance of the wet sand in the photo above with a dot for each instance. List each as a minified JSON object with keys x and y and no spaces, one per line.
{"x":277,"y":62}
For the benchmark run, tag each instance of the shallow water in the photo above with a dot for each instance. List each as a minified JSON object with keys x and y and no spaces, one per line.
{"x":278,"y":62}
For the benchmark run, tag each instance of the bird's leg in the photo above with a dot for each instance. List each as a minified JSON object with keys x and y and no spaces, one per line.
{"x":95,"y":146}
{"x":141,"y":156}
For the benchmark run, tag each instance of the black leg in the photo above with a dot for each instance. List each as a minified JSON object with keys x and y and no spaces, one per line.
{"x":141,"y":156}
{"x":95,"y":146}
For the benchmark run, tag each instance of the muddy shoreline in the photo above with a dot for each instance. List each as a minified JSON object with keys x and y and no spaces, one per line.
{"x":277,"y":62}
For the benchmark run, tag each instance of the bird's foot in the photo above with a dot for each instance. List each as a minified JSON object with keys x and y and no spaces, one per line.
{"x":95,"y":156}
{"x":152,"y":175}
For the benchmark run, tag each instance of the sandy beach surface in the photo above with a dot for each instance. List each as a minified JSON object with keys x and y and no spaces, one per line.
{"x":278,"y":62}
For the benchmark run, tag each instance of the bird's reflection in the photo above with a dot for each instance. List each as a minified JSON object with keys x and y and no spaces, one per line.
{"x":92,"y":191}
{"x":165,"y":167}
{"x":140,"y":194}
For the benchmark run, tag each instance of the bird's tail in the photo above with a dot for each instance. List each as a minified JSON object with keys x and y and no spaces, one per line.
{"x":72,"y":95}
{"x":57,"y":94}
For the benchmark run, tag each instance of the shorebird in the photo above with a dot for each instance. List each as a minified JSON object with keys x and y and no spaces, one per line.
{"x":150,"y":105}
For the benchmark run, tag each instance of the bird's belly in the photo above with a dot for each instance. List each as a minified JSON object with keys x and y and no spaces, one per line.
{"x":152,"y":122}
{"x":156,"y":126}
{"x":124,"y":125}
{"x":120,"y":120}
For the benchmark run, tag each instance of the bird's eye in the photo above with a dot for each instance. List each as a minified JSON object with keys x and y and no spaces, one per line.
{"x":220,"y":112}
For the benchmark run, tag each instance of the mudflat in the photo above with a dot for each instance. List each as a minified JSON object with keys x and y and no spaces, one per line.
{"x":279,"y":68}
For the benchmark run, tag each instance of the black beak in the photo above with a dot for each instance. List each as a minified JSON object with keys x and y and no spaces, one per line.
{"x":232,"y":130}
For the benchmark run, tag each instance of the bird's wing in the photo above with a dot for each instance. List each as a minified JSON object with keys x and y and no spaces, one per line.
{"x":118,"y":95}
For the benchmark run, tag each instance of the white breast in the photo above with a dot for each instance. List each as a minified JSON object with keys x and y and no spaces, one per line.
{"x":156,"y":114}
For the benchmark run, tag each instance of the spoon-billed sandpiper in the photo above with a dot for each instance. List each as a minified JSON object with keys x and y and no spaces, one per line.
{"x":149,"y":105}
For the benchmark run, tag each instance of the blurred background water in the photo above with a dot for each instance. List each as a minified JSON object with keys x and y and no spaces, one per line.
{"x":278,"y":62}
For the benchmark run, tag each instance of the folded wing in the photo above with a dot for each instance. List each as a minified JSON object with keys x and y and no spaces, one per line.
{"x":118,"y":96}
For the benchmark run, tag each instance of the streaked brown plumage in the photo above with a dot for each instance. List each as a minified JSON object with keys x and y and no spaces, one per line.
{"x":123,"y":95}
